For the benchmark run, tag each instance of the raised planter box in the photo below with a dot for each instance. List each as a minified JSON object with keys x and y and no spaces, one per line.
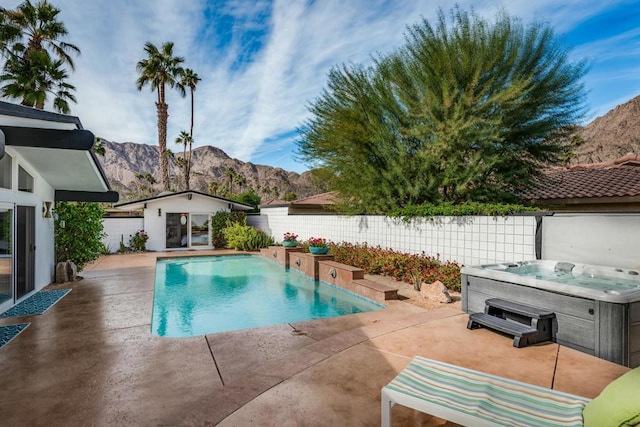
{"x":322,"y":267}
{"x":308,"y":263}
{"x":279,"y":254}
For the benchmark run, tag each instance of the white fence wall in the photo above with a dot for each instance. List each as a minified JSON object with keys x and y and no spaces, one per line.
{"x":601,"y":239}
{"x":466,"y":240}
{"x":117,"y":227}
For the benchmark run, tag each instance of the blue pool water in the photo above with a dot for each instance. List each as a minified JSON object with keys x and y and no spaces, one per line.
{"x":203,"y":295}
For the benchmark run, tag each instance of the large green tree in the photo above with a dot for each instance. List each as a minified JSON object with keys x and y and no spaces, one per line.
{"x":29,"y":41}
{"x":161,"y":69}
{"x":466,"y":110}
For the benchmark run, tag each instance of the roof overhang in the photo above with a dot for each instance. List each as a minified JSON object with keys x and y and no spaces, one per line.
{"x":64,"y":158}
{"x":187,"y":195}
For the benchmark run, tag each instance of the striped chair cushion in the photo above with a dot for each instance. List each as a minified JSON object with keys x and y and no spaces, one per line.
{"x":487,"y":397}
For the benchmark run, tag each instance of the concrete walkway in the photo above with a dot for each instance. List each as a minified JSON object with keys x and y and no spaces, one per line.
{"x":91,"y":360}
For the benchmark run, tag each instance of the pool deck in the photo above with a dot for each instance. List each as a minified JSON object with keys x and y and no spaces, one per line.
{"x":91,"y":360}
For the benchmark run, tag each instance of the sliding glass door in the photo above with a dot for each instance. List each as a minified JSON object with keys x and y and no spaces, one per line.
{"x":7,"y":262}
{"x":187,"y":230}
{"x":200,"y":230}
{"x":25,"y":250}
{"x":177,"y":230}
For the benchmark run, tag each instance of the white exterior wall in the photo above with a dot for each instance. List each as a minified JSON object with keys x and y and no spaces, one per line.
{"x":154,"y":224}
{"x":120,"y":227}
{"x":44,"y":237}
{"x":600,"y":239}
{"x":466,"y":240}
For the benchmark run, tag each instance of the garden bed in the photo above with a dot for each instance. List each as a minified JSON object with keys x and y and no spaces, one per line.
{"x":406,"y":293}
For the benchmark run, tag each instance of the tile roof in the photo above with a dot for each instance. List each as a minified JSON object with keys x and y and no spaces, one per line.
{"x":619,"y":178}
{"x":318,"y":199}
{"x":276,"y":202}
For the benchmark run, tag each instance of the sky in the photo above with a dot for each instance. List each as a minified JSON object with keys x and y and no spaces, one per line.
{"x":262,"y":62}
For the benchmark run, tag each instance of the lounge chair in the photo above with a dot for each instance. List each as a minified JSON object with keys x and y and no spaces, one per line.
{"x":473,"y":398}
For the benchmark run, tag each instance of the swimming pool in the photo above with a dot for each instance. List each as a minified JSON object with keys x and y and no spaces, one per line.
{"x":203,"y":295}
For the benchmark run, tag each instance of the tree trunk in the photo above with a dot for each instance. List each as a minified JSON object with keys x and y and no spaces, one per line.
{"x":187,"y":166}
{"x":163,"y":114}
{"x":188,"y":162}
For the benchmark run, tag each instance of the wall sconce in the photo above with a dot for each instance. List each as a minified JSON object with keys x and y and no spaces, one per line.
{"x":159,"y":212}
{"x":189,"y":196}
{"x":46,"y":209}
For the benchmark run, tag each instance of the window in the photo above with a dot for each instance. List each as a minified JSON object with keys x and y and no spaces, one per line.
{"x":200,"y":230}
{"x":25,"y":181}
{"x":5,"y":171}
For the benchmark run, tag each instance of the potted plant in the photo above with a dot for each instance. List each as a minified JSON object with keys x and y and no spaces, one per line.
{"x":289,"y":240}
{"x":318,"y":246}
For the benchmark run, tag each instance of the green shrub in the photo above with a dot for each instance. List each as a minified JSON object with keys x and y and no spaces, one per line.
{"x":429,"y":210}
{"x":246,"y":238}
{"x":222,"y":220}
{"x":78,"y":232}
{"x":401,"y":266}
{"x":138,"y":242}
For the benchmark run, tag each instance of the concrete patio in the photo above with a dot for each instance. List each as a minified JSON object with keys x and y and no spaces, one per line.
{"x":91,"y":360}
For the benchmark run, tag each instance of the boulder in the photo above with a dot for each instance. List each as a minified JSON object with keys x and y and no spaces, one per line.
{"x":436,"y":291}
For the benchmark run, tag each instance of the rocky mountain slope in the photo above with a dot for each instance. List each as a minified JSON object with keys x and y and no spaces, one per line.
{"x":606,"y":138}
{"x":123,"y":161}
{"x":611,"y":136}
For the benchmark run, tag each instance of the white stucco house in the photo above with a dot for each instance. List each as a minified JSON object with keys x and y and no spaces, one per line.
{"x":45,"y":158}
{"x":180,"y":220}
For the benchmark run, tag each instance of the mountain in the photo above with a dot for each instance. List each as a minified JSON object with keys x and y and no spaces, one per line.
{"x":611,"y":136}
{"x":123,"y":161}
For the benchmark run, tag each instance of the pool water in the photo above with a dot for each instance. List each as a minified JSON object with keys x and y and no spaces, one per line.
{"x":203,"y":295}
{"x":584,"y":279}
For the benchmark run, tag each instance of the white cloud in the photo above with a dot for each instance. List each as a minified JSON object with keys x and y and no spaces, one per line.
{"x":243,"y":108}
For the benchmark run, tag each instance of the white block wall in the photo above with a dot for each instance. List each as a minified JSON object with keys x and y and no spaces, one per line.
{"x":115,"y":227}
{"x":596,"y":238}
{"x":466,"y":240}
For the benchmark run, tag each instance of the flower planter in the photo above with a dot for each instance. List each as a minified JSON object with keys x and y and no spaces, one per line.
{"x":289,"y":243}
{"x":318,"y":251}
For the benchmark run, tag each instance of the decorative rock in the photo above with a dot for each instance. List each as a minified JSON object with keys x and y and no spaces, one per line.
{"x":72,"y":271}
{"x":436,"y":291}
{"x":61,"y":272}
{"x":66,"y":272}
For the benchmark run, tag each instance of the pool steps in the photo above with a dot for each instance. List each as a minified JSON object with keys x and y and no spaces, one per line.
{"x":528,"y":325}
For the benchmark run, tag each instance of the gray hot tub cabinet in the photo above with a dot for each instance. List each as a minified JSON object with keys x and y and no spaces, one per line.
{"x":604,"y":329}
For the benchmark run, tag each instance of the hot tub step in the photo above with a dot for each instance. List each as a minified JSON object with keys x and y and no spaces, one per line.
{"x":523,"y":335}
{"x":517,"y":308}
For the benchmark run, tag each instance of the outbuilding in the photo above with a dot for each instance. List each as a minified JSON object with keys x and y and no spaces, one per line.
{"x":180,"y":220}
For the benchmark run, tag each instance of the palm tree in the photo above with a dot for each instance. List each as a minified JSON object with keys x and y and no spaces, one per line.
{"x":213,"y":188}
{"x":36,"y":77}
{"x":230,"y":174}
{"x":38,"y":24}
{"x":29,"y":38}
{"x":159,"y":69}
{"x":185,"y":139}
{"x":190,"y":79}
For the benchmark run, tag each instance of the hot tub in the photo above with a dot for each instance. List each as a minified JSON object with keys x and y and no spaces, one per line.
{"x":597,"y":307}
